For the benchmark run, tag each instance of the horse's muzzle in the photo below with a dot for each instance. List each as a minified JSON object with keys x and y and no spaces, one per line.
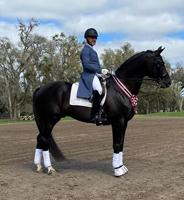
{"x":165,"y":82}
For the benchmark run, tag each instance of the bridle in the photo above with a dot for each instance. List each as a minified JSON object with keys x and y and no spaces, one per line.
{"x":165,"y":73}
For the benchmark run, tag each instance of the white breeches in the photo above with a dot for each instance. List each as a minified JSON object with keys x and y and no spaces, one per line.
{"x":96,"y":85}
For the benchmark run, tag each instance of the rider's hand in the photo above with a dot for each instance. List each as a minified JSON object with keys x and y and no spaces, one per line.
{"x":105,"y":71}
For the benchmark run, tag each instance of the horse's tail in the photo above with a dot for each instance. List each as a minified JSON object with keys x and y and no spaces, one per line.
{"x":55,"y":151}
{"x":34,"y":109}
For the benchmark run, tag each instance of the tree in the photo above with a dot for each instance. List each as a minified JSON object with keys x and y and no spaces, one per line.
{"x":178,"y":86}
{"x":62,"y":62}
{"x":34,"y":61}
{"x":115,"y":58}
{"x":14,"y":60}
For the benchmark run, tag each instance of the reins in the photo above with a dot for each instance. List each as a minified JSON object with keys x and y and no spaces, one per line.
{"x":145,"y":81}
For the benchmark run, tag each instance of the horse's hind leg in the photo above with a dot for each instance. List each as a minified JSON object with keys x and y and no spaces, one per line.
{"x":38,"y":159}
{"x":42,"y":148}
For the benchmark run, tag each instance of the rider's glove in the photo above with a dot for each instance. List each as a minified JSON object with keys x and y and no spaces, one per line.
{"x":105,"y":71}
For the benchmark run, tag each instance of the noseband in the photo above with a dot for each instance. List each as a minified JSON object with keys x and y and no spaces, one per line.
{"x":160,"y":81}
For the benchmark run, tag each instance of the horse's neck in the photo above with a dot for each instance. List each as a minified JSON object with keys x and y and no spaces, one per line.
{"x":131,"y":78}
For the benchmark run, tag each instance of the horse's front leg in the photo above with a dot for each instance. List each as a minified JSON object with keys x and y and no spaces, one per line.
{"x":118,"y":129}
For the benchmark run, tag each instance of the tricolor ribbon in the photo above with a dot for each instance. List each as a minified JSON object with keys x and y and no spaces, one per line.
{"x":133,"y":98}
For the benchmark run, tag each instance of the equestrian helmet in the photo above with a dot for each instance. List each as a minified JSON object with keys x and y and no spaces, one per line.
{"x":90,"y":32}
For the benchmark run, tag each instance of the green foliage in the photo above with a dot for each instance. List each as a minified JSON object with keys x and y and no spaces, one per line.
{"x":115,"y":58}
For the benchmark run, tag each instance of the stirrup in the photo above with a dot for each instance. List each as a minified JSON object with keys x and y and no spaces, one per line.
{"x":99,"y":120}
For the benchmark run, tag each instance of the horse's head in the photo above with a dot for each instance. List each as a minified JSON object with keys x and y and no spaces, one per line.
{"x":156,"y":68}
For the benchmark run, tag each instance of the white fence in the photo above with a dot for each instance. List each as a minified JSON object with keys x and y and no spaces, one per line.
{"x":25,"y":118}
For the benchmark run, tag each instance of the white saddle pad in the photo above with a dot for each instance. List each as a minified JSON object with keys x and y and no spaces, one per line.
{"x":75,"y":101}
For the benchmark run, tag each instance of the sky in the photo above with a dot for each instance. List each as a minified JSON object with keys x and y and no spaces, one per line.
{"x":145,"y":24}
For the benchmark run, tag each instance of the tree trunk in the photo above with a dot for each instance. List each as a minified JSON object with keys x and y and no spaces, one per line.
{"x":9,"y":96}
{"x":15,"y":117}
{"x":158,"y":106}
{"x":181,"y":104}
{"x":147,"y":108}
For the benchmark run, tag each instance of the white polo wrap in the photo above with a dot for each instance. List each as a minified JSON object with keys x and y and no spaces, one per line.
{"x":115,"y":160}
{"x":120,"y":158}
{"x":38,"y":156}
{"x":46,"y":158}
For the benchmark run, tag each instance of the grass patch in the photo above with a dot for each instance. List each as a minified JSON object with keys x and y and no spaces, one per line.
{"x":163,"y":114}
{"x":9,"y":121}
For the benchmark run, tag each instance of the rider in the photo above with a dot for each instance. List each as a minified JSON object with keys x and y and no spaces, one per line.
{"x":89,"y":80}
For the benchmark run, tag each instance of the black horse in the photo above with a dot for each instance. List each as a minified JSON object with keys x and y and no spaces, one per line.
{"x":51,"y":103}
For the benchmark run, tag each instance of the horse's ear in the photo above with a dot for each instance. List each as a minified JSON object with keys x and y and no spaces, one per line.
{"x":159,"y":50}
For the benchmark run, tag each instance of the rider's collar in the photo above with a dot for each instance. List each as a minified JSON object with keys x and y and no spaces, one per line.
{"x":89,"y":45}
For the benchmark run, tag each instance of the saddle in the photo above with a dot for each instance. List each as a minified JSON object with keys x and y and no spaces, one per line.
{"x":75,"y":101}
{"x":98,"y":115}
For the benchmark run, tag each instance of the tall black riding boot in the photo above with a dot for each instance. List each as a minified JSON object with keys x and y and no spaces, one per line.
{"x":97,"y":110}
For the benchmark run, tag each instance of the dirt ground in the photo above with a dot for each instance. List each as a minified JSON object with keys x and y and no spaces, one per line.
{"x":153,"y":153}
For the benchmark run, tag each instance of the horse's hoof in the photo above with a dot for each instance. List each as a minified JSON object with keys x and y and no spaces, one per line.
{"x":120,"y":171}
{"x":39,"y":168}
{"x":51,"y":171}
{"x":125,"y":168}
